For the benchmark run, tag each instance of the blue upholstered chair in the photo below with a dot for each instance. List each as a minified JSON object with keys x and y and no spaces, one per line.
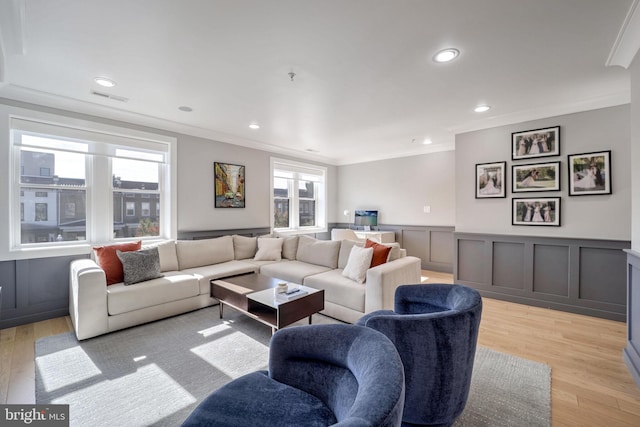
{"x":319,"y":375}
{"x":435,"y":329}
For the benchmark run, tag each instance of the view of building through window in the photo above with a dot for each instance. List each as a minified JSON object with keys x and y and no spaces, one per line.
{"x":53,"y":191}
{"x":298,"y":196}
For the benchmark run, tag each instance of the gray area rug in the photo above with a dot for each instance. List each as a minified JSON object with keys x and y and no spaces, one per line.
{"x":155,"y":374}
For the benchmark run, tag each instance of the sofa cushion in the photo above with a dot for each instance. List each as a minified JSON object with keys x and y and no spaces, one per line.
{"x":108,"y":260}
{"x":319,"y":252}
{"x":244,"y":247}
{"x":338,"y":289}
{"x":358,"y":264}
{"x":345,"y":251}
{"x":141,"y":265}
{"x":167,"y":254}
{"x":225,"y":269}
{"x":172,"y":287}
{"x":289,"y":247}
{"x":380,"y":252}
{"x":196,"y":253}
{"x":269,"y":249}
{"x":292,"y":271}
{"x":396,"y":251}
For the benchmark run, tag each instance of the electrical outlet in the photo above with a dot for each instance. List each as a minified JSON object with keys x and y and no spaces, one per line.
{"x":427,"y":209}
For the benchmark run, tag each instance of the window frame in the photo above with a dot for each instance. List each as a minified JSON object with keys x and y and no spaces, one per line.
{"x":301,"y":172}
{"x":99,"y":206}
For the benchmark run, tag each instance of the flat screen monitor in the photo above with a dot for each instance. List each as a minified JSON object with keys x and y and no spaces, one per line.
{"x":366,"y":218}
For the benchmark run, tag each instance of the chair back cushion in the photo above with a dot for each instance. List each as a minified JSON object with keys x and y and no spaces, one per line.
{"x":358,"y":375}
{"x":435,"y":329}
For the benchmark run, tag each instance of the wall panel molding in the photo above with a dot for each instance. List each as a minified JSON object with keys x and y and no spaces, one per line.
{"x":432,"y":244}
{"x":584,"y":276}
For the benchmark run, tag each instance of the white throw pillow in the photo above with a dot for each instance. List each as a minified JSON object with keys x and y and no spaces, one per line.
{"x":269,"y":249}
{"x":358,"y":264}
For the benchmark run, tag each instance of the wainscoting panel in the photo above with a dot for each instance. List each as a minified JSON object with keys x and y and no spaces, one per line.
{"x":631,"y":353}
{"x":441,"y":247}
{"x":472,"y":271}
{"x":508,"y":265}
{"x":415,"y":242}
{"x":434,"y":245}
{"x":582,"y":276}
{"x":550,"y":275}
{"x":598,"y":268}
{"x":34,"y":289}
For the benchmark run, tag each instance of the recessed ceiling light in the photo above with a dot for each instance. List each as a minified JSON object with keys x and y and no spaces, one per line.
{"x":105,"y":82}
{"x":446,"y":55}
{"x":481,"y":108}
{"x":254,"y":126}
{"x":185,"y":108}
{"x":427,"y":141}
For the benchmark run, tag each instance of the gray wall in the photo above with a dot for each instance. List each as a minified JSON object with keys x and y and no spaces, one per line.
{"x":400,"y":188}
{"x":594,"y":217}
{"x":196,"y":209}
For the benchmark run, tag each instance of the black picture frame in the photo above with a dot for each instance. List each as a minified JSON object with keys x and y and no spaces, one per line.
{"x":491,"y":180}
{"x":536,"y":211}
{"x":538,"y":177}
{"x":590,"y":173}
{"x":229,"y":185}
{"x":544,"y":142}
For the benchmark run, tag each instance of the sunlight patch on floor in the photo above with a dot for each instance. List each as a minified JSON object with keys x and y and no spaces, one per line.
{"x":234,"y":354}
{"x":51,"y":377}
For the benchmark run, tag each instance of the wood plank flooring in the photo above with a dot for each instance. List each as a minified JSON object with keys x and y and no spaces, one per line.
{"x":590,"y":384}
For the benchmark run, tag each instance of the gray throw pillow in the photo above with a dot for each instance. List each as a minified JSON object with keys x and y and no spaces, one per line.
{"x":139,"y":266}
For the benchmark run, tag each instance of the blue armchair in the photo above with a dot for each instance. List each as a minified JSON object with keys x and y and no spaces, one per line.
{"x":319,"y":375}
{"x":435,"y":329}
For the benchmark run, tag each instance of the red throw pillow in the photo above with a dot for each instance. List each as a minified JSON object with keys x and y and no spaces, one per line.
{"x":108,"y":260}
{"x":380,"y":252}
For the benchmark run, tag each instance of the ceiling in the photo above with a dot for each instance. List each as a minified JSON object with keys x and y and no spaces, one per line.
{"x":365,"y":86}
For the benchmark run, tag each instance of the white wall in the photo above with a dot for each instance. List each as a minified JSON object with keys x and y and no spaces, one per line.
{"x":400,"y":188}
{"x":196,"y":209}
{"x":598,"y":217}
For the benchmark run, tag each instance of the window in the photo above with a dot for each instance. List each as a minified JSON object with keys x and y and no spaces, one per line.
{"x":41,"y":213}
{"x":298,"y":196}
{"x":71,"y":168}
{"x":131,"y":208}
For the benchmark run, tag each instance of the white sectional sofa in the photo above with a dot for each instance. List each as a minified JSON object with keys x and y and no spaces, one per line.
{"x":187,"y":267}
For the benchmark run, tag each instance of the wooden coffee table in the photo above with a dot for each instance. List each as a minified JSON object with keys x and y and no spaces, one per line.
{"x":255,"y":295}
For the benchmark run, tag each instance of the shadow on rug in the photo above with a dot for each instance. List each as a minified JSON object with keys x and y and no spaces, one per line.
{"x":155,"y":374}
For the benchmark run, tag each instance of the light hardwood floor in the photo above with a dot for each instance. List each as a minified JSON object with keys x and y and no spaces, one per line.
{"x":590,"y":385}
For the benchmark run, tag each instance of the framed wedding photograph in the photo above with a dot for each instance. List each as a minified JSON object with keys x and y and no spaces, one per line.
{"x":589,"y":173}
{"x":535,"y":143}
{"x":229,"y":185}
{"x":535,"y":177}
{"x":537,"y":211}
{"x":490,"y":180}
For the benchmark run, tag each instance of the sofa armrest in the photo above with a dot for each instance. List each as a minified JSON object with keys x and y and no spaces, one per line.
{"x":382,"y":281}
{"x":88,"y":299}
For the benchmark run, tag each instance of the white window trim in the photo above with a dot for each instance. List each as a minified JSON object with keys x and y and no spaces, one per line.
{"x":322,"y":200}
{"x":7,"y":192}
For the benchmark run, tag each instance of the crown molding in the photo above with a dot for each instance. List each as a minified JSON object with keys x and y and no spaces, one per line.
{"x":628,"y":41}
{"x":595,"y":103}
